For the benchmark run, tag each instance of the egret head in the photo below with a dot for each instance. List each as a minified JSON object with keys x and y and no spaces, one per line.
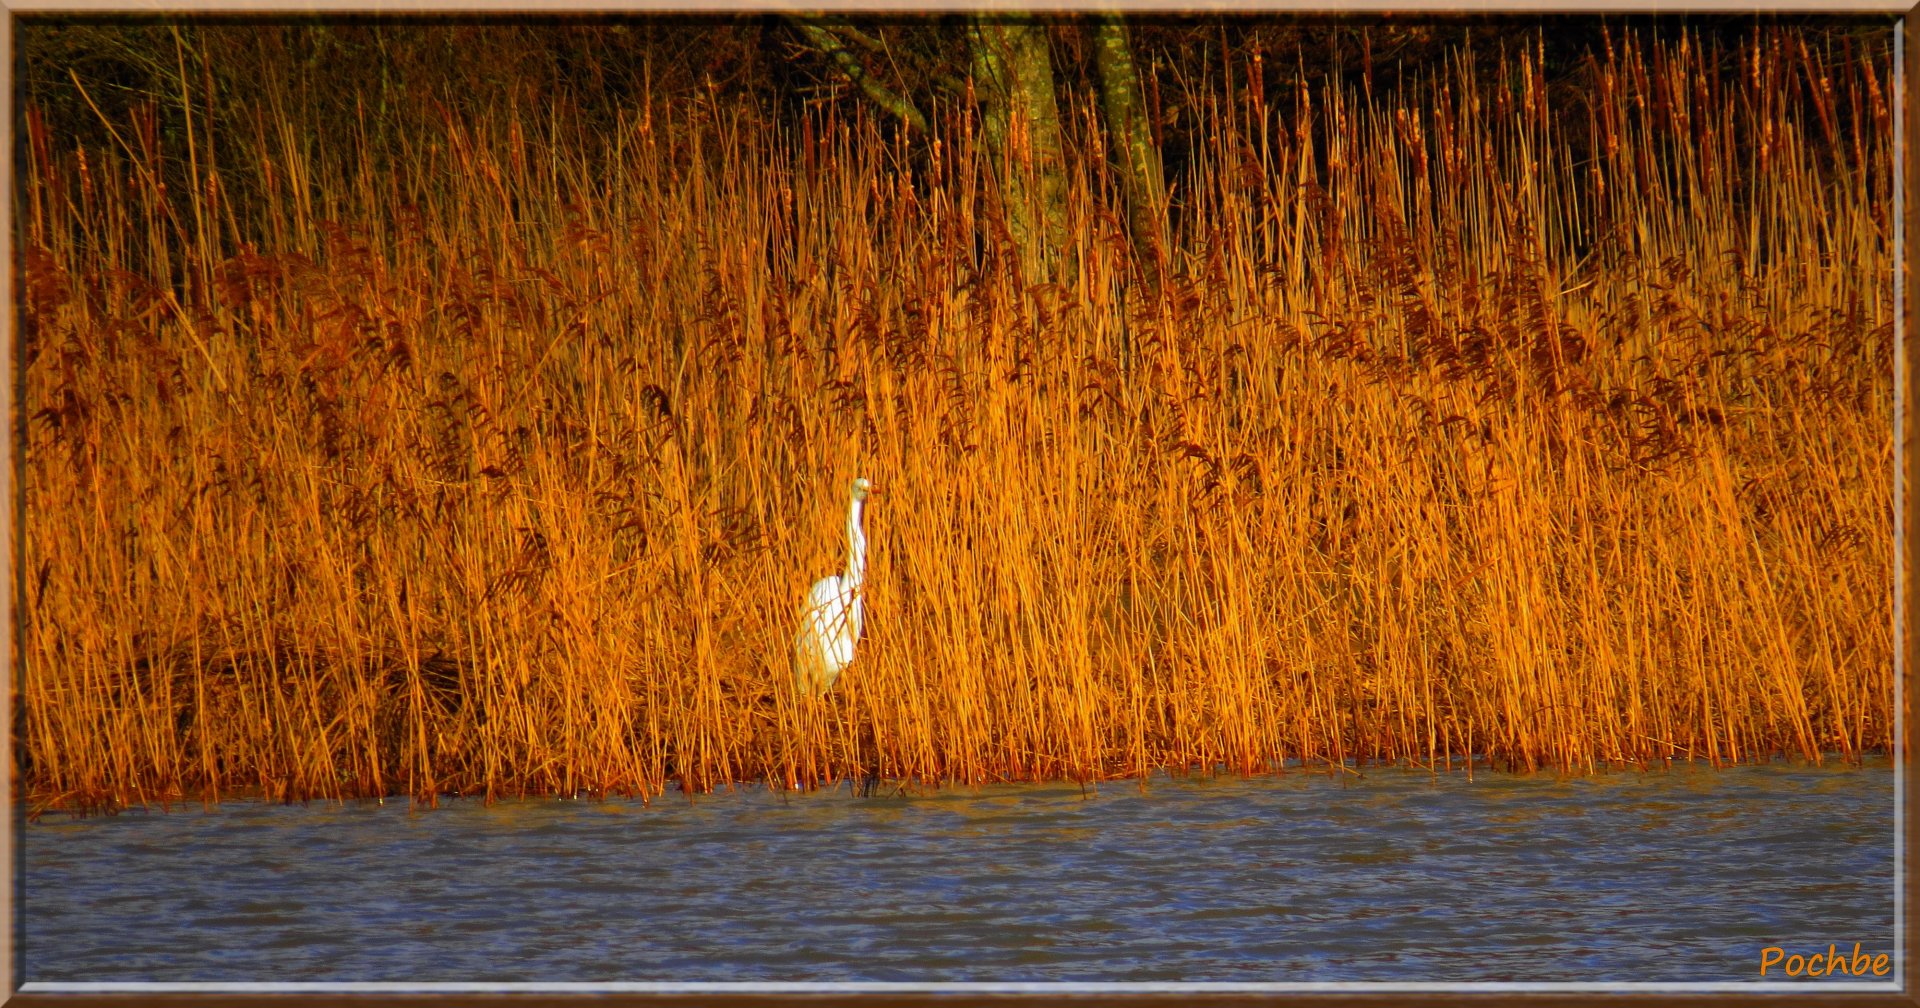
{"x":861,"y":488}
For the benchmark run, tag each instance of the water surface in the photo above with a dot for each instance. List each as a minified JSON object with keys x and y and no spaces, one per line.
{"x":1675,"y":875}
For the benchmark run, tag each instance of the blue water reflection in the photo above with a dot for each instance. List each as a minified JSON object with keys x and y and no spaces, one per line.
{"x":1680,"y":875}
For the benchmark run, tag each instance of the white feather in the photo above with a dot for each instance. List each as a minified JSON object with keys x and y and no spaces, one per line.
{"x":830,"y":625}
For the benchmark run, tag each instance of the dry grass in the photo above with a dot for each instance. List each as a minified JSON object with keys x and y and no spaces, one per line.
{"x":507,"y":471}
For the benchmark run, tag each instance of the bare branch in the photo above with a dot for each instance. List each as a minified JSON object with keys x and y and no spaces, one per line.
{"x":830,"y":45}
{"x":860,"y":38}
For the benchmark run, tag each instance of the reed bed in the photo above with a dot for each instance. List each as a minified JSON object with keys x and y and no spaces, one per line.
{"x":504,"y":469}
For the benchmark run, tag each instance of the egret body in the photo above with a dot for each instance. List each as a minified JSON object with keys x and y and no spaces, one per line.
{"x":830,"y":626}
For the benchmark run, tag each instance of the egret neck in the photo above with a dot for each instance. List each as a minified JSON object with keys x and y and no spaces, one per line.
{"x":856,"y":547}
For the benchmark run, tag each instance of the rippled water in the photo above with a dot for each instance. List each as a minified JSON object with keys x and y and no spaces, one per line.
{"x":1681,"y":875}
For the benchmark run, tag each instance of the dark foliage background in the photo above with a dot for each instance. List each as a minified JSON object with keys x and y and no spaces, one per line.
{"x":364,"y":84}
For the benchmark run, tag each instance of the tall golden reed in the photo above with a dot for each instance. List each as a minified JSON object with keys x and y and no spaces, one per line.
{"x":505,"y":470}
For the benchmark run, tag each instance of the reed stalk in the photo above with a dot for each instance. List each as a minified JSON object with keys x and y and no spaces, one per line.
{"x":502,"y":467}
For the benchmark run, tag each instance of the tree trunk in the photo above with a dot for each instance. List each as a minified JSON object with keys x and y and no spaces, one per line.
{"x":1013,"y":81}
{"x":1135,"y":156}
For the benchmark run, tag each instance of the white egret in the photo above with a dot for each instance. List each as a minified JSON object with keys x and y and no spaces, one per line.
{"x":831,"y":624}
